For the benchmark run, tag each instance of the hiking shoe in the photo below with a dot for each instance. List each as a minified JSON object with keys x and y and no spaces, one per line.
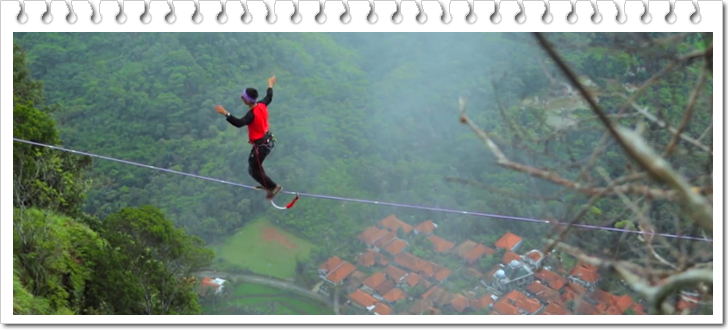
{"x":272,"y":193}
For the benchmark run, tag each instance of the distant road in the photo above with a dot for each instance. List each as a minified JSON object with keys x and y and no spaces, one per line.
{"x":262,"y":280}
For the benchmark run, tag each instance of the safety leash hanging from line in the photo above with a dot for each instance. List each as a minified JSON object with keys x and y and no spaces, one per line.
{"x":288,"y":206}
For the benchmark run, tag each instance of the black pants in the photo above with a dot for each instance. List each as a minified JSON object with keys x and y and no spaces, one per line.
{"x":255,"y":164}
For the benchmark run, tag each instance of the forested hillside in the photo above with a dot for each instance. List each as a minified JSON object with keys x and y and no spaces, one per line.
{"x":133,"y":261}
{"x":367,"y":116}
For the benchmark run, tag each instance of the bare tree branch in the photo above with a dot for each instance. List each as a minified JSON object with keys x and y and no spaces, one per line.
{"x":695,"y":205}
{"x":688,"y":112}
{"x":672,"y":130}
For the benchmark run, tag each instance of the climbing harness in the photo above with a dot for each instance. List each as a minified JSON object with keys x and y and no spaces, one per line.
{"x":365,"y":201}
{"x":268,"y":141}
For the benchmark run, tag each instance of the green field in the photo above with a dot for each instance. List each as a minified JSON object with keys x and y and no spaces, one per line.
{"x":263,"y":297}
{"x":262,"y":248}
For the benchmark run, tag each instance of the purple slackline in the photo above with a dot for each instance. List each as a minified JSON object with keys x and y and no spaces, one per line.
{"x":436,"y":209}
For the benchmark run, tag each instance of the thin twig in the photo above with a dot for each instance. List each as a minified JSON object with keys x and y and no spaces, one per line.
{"x":672,"y":130}
{"x":688,"y":113}
{"x":694,"y":205}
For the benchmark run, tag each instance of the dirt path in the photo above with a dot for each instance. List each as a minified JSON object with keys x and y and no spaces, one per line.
{"x":268,"y":282}
{"x":272,"y":234}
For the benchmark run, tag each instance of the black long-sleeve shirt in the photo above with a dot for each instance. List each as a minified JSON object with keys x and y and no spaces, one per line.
{"x":248,"y":118}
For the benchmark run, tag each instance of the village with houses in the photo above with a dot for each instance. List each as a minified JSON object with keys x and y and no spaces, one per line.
{"x":387,"y":279}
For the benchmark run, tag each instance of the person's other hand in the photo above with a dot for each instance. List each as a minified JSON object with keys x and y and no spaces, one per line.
{"x":219,"y":109}
{"x":271,"y":81}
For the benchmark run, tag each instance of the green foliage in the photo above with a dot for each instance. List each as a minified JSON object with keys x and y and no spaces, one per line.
{"x":67,"y":262}
{"x":42,"y":178}
{"x":55,"y":256}
{"x":359,"y":115}
{"x":625,"y":224}
{"x":24,"y":303}
{"x":488,"y":261}
{"x":147,"y":262}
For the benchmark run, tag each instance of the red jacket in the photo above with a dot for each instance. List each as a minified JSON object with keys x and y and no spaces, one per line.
{"x":259,"y":126}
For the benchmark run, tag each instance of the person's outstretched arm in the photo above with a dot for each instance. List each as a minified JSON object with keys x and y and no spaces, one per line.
{"x":268,"y":97}
{"x":237,"y":122}
{"x":240,"y":122}
{"x":269,"y":93}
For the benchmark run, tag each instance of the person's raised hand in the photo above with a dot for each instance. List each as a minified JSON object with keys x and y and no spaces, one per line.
{"x":271,"y":81}
{"x":219,"y":109}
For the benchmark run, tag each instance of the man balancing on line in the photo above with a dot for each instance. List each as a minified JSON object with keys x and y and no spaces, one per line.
{"x":263,"y":142}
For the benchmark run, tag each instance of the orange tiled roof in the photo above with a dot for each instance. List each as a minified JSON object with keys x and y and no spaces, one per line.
{"x":420,"y":307}
{"x":427,"y":269}
{"x":412,"y":279}
{"x":534,"y":255}
{"x":459,"y":302}
{"x":543,"y":292}
{"x":624,"y":302}
{"x":413,"y":263}
{"x":386,"y":239}
{"x":430,"y":291}
{"x":374,"y":280}
{"x":366,"y":259}
{"x":339,"y":274}
{"x":355,"y":280}
{"x":362,"y":298}
{"x":587,"y":309}
{"x":440,"y":297}
{"x":395,"y":247}
{"x":358,"y":275}
{"x":514,"y":296}
{"x":477,"y":252}
{"x":481,"y":302}
{"x":612,"y":310}
{"x":440,"y":244}
{"x":555,"y":309}
{"x":464,"y":247}
{"x":688,"y":303}
{"x":394,"y":273}
{"x":382,"y":309}
{"x":331,"y":264}
{"x":425,"y":227}
{"x":206,"y":286}
{"x":553,"y":280}
{"x":529,"y":305}
{"x":442,"y":274}
{"x":371,"y":234}
{"x":573,"y":292}
{"x":207,"y":282}
{"x":520,"y":300}
{"x":385,"y":287}
{"x":585,"y":271}
{"x":424,"y":283}
{"x":610,"y":304}
{"x":395,"y":295}
{"x":503,"y":307}
{"x":392,"y":222}
{"x":508,"y":241}
{"x":510,"y":256}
